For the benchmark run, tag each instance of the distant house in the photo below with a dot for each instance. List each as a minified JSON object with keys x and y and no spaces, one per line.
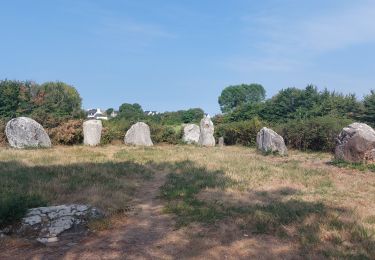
{"x":151,"y":113}
{"x":96,"y":114}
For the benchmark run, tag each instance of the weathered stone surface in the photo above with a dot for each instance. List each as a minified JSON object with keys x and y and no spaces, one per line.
{"x":356,"y":143}
{"x":206,"y":137}
{"x":92,"y":132}
{"x":138,"y":134}
{"x":47,"y":223}
{"x":221,"y":142}
{"x":269,"y":141}
{"x":24,"y":132}
{"x":191,"y":134}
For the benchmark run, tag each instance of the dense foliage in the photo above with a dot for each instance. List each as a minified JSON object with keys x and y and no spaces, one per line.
{"x":48,"y":102}
{"x":234,"y":96}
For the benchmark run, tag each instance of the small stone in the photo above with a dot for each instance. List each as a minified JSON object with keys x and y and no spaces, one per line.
{"x":221,"y":142}
{"x":46,"y":240}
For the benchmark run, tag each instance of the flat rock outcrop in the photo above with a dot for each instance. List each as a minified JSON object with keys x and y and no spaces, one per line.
{"x":47,"y":223}
{"x":24,"y":132}
{"x":356,"y":143}
{"x":92,"y":132}
{"x":191,"y":134}
{"x":268,"y":141}
{"x":206,"y":137}
{"x":139,"y":135}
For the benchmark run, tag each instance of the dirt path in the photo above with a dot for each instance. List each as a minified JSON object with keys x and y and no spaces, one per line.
{"x":135,"y":236}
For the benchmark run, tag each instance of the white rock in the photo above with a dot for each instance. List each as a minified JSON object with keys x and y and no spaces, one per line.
{"x":92,"y":132}
{"x":138,"y":134}
{"x":206,"y":137}
{"x":24,"y":132}
{"x":191,"y":134}
{"x":269,"y":141}
{"x":50,"y":222}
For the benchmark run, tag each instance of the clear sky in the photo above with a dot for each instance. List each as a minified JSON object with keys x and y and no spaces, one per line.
{"x":177,"y":54}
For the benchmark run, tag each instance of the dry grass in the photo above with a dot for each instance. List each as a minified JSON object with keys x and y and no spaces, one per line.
{"x":327,"y":211}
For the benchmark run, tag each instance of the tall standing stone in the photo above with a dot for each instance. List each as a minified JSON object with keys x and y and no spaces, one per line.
{"x":356,"y":143}
{"x":138,"y":134}
{"x":206,"y":137}
{"x":269,"y":141}
{"x":191,"y":134}
{"x":24,"y":132}
{"x":92,"y":132}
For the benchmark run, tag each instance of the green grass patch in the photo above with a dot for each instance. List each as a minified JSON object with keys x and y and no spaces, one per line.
{"x":14,"y":206}
{"x":356,"y":166}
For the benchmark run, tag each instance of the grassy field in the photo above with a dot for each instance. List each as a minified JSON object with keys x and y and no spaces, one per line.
{"x":324,"y":210}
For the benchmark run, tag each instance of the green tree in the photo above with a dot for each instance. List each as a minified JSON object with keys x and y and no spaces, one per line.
{"x":369,"y":108}
{"x":58,"y":99}
{"x":192,"y":115}
{"x":234,"y":96}
{"x":131,"y":111}
{"x":109,"y":111}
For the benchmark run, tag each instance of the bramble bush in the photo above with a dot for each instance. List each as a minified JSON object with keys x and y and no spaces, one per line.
{"x":316,"y":134}
{"x":67,"y":133}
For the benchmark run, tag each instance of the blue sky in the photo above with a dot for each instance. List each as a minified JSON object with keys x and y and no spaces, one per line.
{"x":177,"y":54}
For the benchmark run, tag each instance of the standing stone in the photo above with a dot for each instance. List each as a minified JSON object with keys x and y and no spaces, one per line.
{"x":191,"y":134}
{"x":92,"y":132}
{"x":269,"y":141}
{"x":206,"y":137}
{"x":138,"y":134}
{"x":24,"y":132}
{"x":221,"y":142}
{"x":356,"y":143}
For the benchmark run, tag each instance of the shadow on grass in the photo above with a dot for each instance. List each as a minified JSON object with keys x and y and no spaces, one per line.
{"x":318,"y":230}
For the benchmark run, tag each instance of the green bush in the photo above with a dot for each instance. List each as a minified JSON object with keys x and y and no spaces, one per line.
{"x":165,"y":134}
{"x":110,"y":134}
{"x":317,"y":134}
{"x":243,"y":132}
{"x":13,"y":207}
{"x":2,"y":133}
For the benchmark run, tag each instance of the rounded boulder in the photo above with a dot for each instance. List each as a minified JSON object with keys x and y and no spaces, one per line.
{"x":24,"y":132}
{"x":356,"y":143}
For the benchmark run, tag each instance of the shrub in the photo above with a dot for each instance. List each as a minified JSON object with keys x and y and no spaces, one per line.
{"x":3,"y":139}
{"x":110,"y":134}
{"x":14,"y":206}
{"x":67,"y":133}
{"x":243,"y":132}
{"x":317,"y":134}
{"x":165,"y":134}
